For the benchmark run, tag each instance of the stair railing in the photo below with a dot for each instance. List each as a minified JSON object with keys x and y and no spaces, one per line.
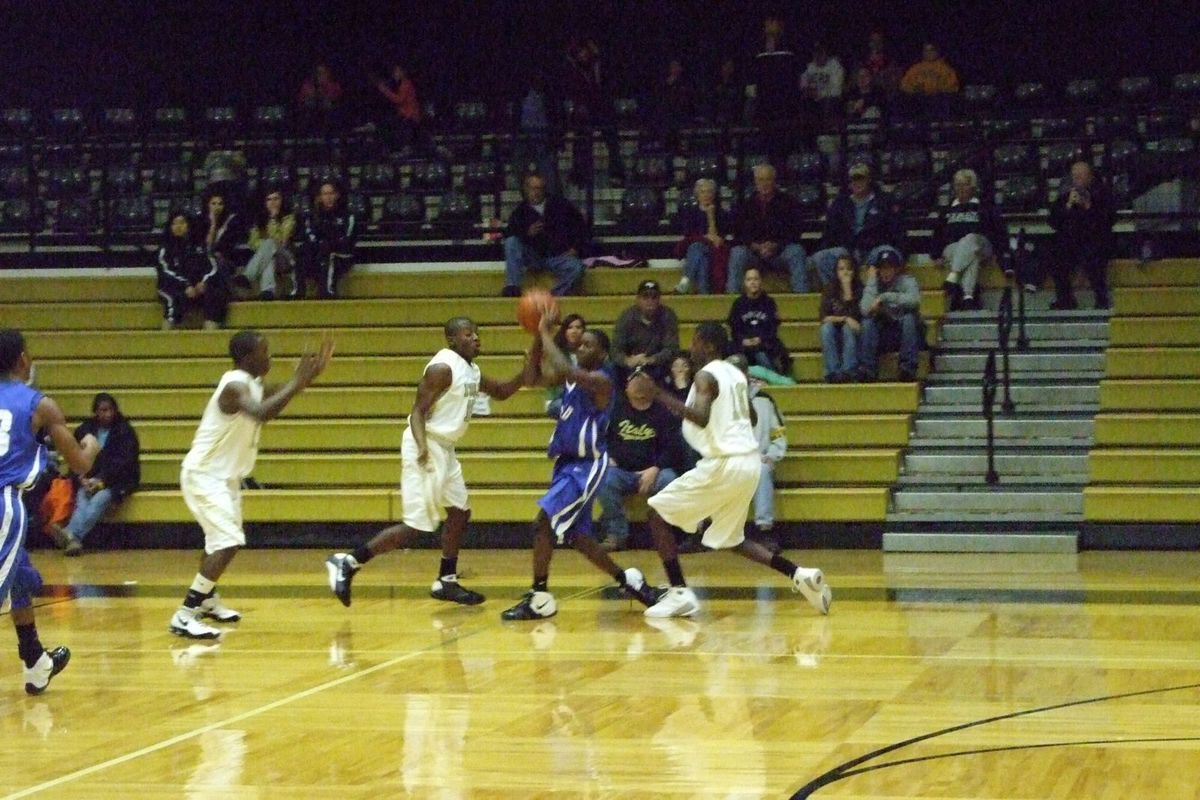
{"x":1004,"y":323}
{"x":990,"y":384}
{"x":1020,"y":263}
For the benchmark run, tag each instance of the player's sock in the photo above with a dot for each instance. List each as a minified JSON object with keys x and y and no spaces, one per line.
{"x":619,"y":577}
{"x":201,"y":588}
{"x":674,"y":572}
{"x":361,"y":555}
{"x":781,"y":564}
{"x":541,"y":583}
{"x":449,"y":569}
{"x":29,"y":647}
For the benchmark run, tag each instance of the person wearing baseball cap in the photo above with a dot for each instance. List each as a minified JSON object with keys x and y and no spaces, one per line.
{"x":891,"y":316}
{"x":646,"y":335}
{"x":860,"y":221}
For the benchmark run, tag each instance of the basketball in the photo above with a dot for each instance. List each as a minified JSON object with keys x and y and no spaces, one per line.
{"x":532,"y":305}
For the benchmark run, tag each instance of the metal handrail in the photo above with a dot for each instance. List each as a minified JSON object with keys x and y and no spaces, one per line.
{"x":1019,"y":271}
{"x":1004,"y":323}
{"x":990,"y":383}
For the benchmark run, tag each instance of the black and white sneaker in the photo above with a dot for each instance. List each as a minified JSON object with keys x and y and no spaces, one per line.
{"x":534,"y":605}
{"x":450,"y":590}
{"x":51,"y":662}
{"x":341,"y":572}
{"x":637,"y":588}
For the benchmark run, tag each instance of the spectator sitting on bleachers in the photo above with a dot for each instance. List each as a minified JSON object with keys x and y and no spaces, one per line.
{"x":327,"y":246}
{"x":570,"y":334}
{"x":861,"y":221}
{"x":754,"y":325}
{"x":402,"y":126}
{"x":703,"y":248}
{"x":822,"y":82}
{"x":767,"y":230}
{"x":884,"y":73}
{"x":187,"y":277}
{"x":646,"y":335}
{"x":544,"y":232}
{"x":775,"y":91}
{"x":1083,"y":218}
{"x":891,"y":317}
{"x":271,"y":243}
{"x":535,"y":145}
{"x":644,"y":455}
{"x":728,"y":97}
{"x":115,"y":473}
{"x":865,"y":101}
{"x":219,"y":229}
{"x":678,"y":382}
{"x":771,"y":435}
{"x":841,"y":325}
{"x":967,"y":236}
{"x":320,"y":96}
{"x":931,"y":76}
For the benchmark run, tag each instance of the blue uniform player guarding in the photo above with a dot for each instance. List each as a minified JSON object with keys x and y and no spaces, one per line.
{"x":24,"y":411}
{"x":581,"y":457}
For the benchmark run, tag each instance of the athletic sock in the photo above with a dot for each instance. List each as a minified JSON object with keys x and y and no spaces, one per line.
{"x":361,"y":555}
{"x":29,"y":647}
{"x":619,"y":576}
{"x":781,"y":564}
{"x":449,"y":569}
{"x":674,"y":572}
{"x":200,"y":590}
{"x":541,"y":583}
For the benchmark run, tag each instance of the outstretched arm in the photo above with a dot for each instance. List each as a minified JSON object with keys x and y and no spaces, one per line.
{"x":235,"y":397}
{"x":594,"y":382}
{"x":700,"y":409}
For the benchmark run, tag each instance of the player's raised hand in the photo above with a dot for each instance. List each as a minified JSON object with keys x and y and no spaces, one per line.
{"x":312,"y":363}
{"x":549,"y":321}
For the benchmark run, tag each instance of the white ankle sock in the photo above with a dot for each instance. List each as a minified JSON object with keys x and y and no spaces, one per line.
{"x":202,"y":584}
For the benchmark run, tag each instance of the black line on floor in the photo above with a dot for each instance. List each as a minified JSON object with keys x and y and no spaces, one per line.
{"x":846,"y":769}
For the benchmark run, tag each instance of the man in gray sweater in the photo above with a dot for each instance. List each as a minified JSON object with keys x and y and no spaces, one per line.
{"x":891,"y":304}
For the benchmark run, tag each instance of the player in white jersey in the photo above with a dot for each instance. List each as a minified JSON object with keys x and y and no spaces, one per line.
{"x":223,"y":453}
{"x":431,"y":479}
{"x":717,"y":423}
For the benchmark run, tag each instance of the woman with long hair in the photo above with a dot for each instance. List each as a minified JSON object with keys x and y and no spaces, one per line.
{"x":841,"y":319}
{"x":271,"y":241}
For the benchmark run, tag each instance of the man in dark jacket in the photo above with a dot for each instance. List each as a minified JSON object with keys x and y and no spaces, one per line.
{"x":1083,"y":217}
{"x":967,"y":236}
{"x":767,"y":230}
{"x":646,"y":335}
{"x":644,"y":455}
{"x":545,"y":232}
{"x":859,"y":222}
{"x":115,"y":473}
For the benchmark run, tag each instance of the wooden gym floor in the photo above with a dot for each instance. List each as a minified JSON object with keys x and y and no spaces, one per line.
{"x":934,"y":677}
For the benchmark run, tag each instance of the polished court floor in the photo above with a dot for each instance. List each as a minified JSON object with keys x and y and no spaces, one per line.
{"x":934,"y":677}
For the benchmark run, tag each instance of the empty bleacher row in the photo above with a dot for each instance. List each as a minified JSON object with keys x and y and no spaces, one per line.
{"x":70,"y":175}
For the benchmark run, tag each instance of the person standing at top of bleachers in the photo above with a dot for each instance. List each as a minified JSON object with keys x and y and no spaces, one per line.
{"x":774,"y":90}
{"x":188,"y":277}
{"x":966,"y":237}
{"x":1082,"y":217}
{"x":222,"y":454}
{"x":24,"y":411}
{"x":403,"y":125}
{"x":861,"y":221}
{"x":766,"y":228}
{"x":930,"y":83}
{"x":327,"y":244}
{"x":320,"y":98}
{"x":821,"y":84}
{"x":544,"y":232}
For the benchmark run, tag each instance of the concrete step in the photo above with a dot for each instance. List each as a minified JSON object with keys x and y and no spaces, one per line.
{"x":955,"y":330}
{"x":1072,"y":377}
{"x":918,"y":462}
{"x":979,"y":480}
{"x":991,"y":500}
{"x":978,"y":443}
{"x":1032,"y":315}
{"x":969,"y":541}
{"x":1066,"y":428}
{"x":967,"y":518}
{"x":973,"y":411}
{"x":1022,"y":363}
{"x":1035,"y":345}
{"x":1040,"y":396}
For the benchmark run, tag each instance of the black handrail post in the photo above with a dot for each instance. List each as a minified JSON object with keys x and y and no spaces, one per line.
{"x":989,"y":399}
{"x":1018,"y":278}
{"x":1003,"y":331}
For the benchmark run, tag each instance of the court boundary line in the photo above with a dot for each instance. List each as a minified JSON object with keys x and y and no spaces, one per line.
{"x":179,"y":738}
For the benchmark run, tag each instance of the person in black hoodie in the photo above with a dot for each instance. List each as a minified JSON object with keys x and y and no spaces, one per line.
{"x":327,"y":245}
{"x":544,"y":232}
{"x":188,"y":278}
{"x":1083,"y":218}
{"x":967,"y":236}
{"x":754,"y":323}
{"x":115,"y":473}
{"x":219,"y":230}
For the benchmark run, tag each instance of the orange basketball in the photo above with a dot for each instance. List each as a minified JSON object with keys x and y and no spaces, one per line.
{"x":534,"y":303}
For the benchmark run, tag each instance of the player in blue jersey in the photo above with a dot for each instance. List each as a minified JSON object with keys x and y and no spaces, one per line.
{"x":581,"y":457}
{"x":24,"y":411}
